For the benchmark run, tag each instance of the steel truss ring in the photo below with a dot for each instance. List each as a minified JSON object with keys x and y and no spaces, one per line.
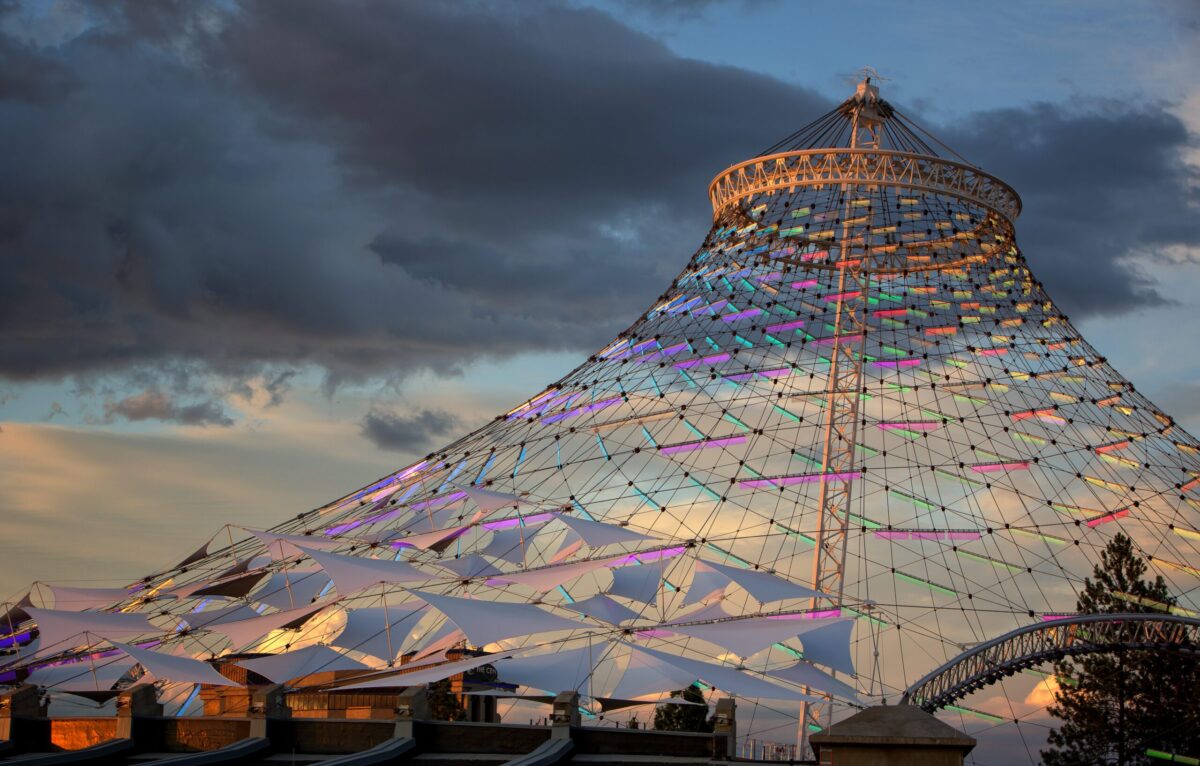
{"x":1034,"y":644}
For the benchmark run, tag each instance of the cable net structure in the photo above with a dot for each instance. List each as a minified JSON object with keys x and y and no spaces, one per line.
{"x":854,"y":437}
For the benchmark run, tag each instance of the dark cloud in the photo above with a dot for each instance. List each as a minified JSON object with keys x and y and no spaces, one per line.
{"x":156,"y":405}
{"x":1102,"y":183}
{"x":377,"y":188}
{"x":389,"y":430}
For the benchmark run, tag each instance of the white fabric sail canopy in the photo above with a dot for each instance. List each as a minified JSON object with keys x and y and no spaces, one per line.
{"x":56,"y":626}
{"x":728,"y":680}
{"x":637,"y":583}
{"x":291,"y":588}
{"x":281,"y":546}
{"x":430,"y":674}
{"x":743,"y":637}
{"x":645,"y":675}
{"x":509,"y":544}
{"x":311,"y":659}
{"x":427,"y":540}
{"x":243,"y":632}
{"x":596,"y":533}
{"x":352,"y":574}
{"x":829,"y":644}
{"x":554,"y":672}
{"x":84,"y":676}
{"x":804,"y":674}
{"x":171,"y":668}
{"x":492,"y":501}
{"x":486,"y":621}
{"x":68,"y":599}
{"x":603,"y":608}
{"x":708,"y":578}
{"x":378,"y":631}
{"x":470,"y":565}
{"x":545,"y":578}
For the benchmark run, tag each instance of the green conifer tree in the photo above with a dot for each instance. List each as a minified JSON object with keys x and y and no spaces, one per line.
{"x":684,"y":717}
{"x":1115,"y":706}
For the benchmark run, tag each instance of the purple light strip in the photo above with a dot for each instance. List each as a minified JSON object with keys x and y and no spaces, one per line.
{"x":537,"y":518}
{"x":602,"y":404}
{"x":781,"y":372}
{"x":712,"y":308}
{"x":672,"y":449}
{"x":435,"y":501}
{"x":804,"y":284}
{"x":741,"y":315}
{"x":450,"y":535}
{"x":912,"y":425}
{"x":807,"y":478}
{"x":786,"y":326}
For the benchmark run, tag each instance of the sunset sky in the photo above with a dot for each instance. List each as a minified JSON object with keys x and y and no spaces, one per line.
{"x":254,"y":255}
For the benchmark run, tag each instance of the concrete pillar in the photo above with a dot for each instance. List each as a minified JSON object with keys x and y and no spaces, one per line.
{"x":725,"y":725}
{"x":564,"y":715}
{"x":412,"y":705}
{"x":138,"y":701}
{"x":895,"y":735}
{"x":20,"y":702}
{"x":266,"y":703}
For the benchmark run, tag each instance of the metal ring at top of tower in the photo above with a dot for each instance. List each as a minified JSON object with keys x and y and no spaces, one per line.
{"x":787,"y":171}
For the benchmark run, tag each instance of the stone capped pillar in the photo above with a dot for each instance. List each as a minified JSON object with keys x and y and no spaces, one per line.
{"x":891,"y":735}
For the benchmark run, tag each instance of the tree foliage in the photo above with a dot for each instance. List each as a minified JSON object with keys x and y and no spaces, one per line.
{"x":444,"y":705}
{"x":684,"y":717}
{"x":1115,"y":706}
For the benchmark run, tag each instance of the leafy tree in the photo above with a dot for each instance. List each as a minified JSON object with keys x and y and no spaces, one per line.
{"x":443,"y":705}
{"x":1114,"y":706}
{"x":684,"y":717}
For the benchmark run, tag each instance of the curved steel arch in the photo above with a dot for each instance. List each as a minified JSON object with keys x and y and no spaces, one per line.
{"x":1034,"y":644}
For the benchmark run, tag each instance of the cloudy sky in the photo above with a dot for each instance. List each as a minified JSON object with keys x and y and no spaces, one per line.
{"x":256,"y":254}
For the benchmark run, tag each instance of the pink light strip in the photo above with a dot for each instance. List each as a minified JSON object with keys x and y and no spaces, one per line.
{"x":894,"y":363}
{"x":838,"y":297}
{"x":806,"y":478}
{"x":1106,"y":518}
{"x":671,"y":449}
{"x":805,"y":283}
{"x":1018,"y":465}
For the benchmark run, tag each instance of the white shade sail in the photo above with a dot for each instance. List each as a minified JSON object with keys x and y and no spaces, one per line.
{"x":763,"y":586}
{"x":545,"y":578}
{"x":486,"y":621}
{"x":728,"y":680}
{"x":637,"y":583}
{"x":707,"y":583}
{"x":829,"y":644}
{"x":171,"y":668}
{"x":430,"y":674}
{"x":509,"y":544}
{"x":378,"y":631}
{"x":742,"y":637}
{"x":84,"y":676}
{"x":492,"y":501}
{"x":56,"y":627}
{"x":311,"y":659}
{"x":470,"y":565}
{"x":603,"y":608}
{"x":291,"y":588}
{"x":353,"y":573}
{"x":281,"y":546}
{"x":804,"y":674}
{"x":645,"y":674}
{"x":427,"y":540}
{"x":597,"y":534}
{"x":68,"y":599}
{"x":243,"y":632}
{"x":555,"y":672}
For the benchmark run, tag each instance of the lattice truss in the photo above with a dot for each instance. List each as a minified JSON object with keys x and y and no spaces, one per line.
{"x":650,"y":519}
